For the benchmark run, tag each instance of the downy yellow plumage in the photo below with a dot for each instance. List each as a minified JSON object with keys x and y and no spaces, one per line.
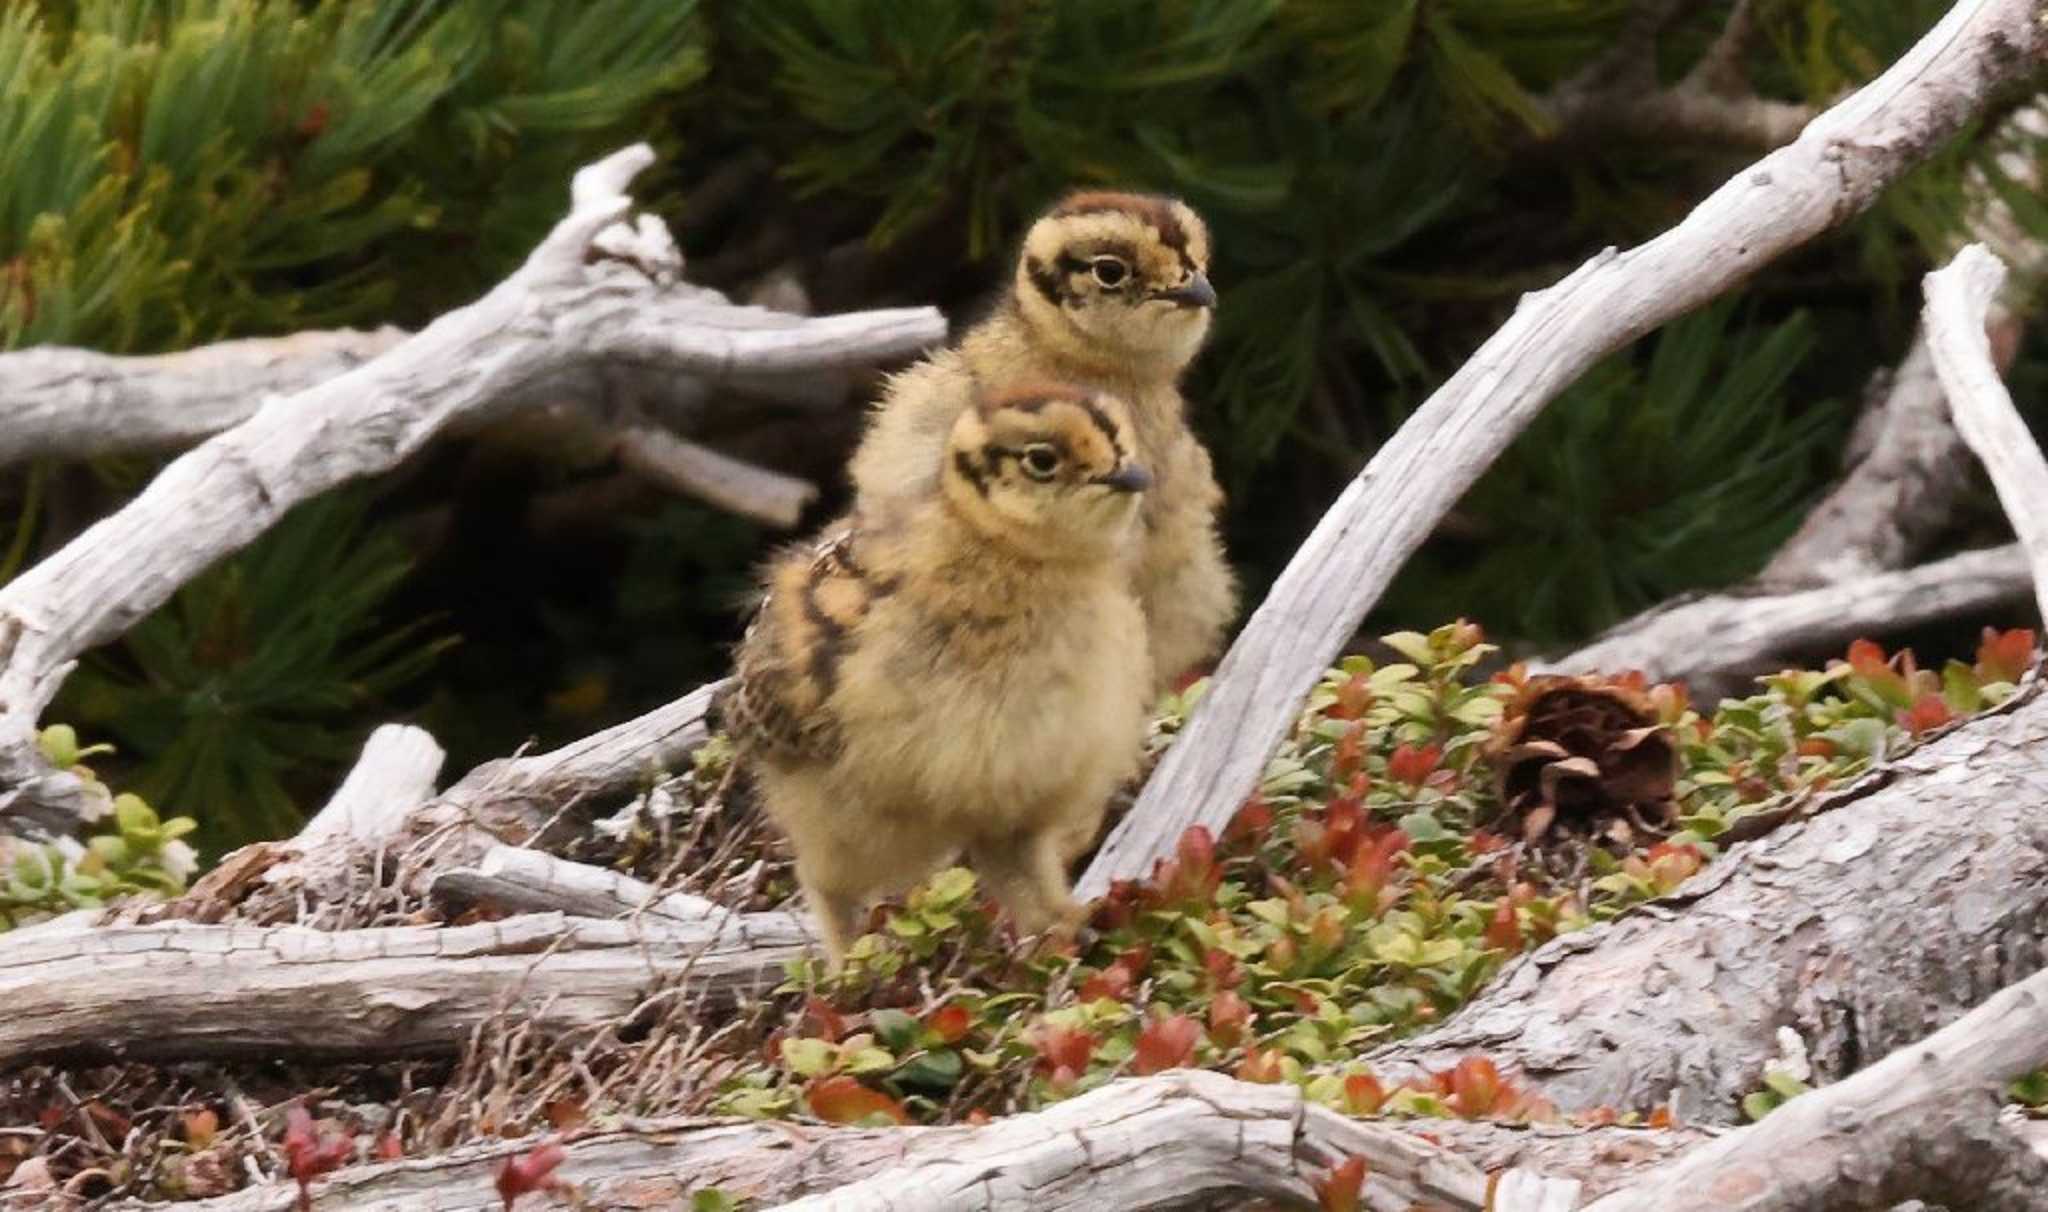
{"x":1110,"y":292}
{"x":962,"y":672}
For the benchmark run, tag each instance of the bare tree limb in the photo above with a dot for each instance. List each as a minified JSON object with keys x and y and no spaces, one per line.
{"x":394,"y":775}
{"x":1618,"y":94}
{"x":1923,"y":1123}
{"x":734,"y":485}
{"x":353,"y":994}
{"x":73,"y":403}
{"x":1892,"y":908}
{"x":1716,"y":643}
{"x":1958,"y":300}
{"x":529,"y":881}
{"x":561,"y":309}
{"x":1838,"y":165}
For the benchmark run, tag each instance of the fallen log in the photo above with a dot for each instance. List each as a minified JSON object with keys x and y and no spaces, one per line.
{"x":1923,"y":1123}
{"x":1889,"y":910}
{"x":182,"y":990}
{"x":1177,"y":1140}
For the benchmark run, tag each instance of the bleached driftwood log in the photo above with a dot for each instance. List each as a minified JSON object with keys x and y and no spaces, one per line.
{"x":1958,"y":302}
{"x":1893,"y":908}
{"x":74,"y":403}
{"x":530,"y":881}
{"x":181,"y":990}
{"x":595,"y":290}
{"x":1923,"y":1123}
{"x":1177,"y":1140}
{"x":1835,"y":169}
{"x":395,"y":774}
{"x":1717,"y":642}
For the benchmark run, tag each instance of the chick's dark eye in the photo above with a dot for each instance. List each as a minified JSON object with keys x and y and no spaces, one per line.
{"x":1040,"y":462}
{"x":1108,"y":270}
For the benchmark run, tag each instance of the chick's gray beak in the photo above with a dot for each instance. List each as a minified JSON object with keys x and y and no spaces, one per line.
{"x":1195,"y":292}
{"x":1129,"y":478}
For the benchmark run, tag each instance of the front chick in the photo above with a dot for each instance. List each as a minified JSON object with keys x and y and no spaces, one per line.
{"x":965,"y":673}
{"x":1110,"y":291}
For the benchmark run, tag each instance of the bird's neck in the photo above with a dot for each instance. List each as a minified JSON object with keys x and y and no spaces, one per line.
{"x":1009,"y":343}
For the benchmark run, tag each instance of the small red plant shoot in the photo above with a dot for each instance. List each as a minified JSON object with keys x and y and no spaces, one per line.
{"x":529,"y":1171}
{"x":1343,"y":1188}
{"x":308,"y":1153}
{"x":1167,"y":1042}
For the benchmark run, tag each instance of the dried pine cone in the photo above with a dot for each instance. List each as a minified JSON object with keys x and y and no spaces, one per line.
{"x":1585,"y":757}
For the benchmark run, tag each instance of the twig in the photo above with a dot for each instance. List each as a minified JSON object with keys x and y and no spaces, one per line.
{"x":1958,"y":300}
{"x":734,"y":485}
{"x":529,"y":881}
{"x":1837,"y":167}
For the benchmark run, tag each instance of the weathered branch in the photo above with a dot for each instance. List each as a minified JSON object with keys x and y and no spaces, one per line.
{"x":1958,"y":301}
{"x":529,"y":881}
{"x":1836,"y":168}
{"x":354,"y":994}
{"x":1895,"y":907}
{"x":1618,"y":94}
{"x":566,"y":307}
{"x":734,"y":485}
{"x":394,"y":775}
{"x":1923,"y":1123}
{"x":1178,"y":1140}
{"x":1717,"y":642}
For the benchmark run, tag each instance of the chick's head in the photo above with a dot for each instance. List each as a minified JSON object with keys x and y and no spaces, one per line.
{"x":1048,"y":470}
{"x":1118,"y":278}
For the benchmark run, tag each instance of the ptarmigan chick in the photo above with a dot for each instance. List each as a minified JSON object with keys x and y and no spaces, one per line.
{"x":965,"y":673}
{"x":1111,"y":292}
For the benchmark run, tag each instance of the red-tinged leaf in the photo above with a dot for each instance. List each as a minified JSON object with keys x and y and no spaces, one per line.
{"x":1250,"y":824}
{"x":1341,"y":1189}
{"x":1347,"y":760}
{"x":1670,"y":700}
{"x":1354,"y":699}
{"x":1817,"y":746}
{"x":566,"y":1114}
{"x":1363,"y":1094}
{"x":1230,"y":1019}
{"x":978,"y":1118}
{"x":1192,"y":875}
{"x":1597,"y":1117}
{"x":389,"y":1147}
{"x":950,"y":1023}
{"x":1061,"y":1047}
{"x":1515,"y":676}
{"x":529,"y":1171}
{"x":1867,"y":658}
{"x":1222,"y":967}
{"x":1481,"y":841}
{"x":1661,"y":1117}
{"x":844,"y":1100}
{"x":1063,"y":1079}
{"x":1504,"y":930}
{"x":1475,"y":1087}
{"x":1185,"y":680}
{"x":1261,"y":1065}
{"x":2003,"y":656}
{"x":1113,"y":983}
{"x":1927,"y":713}
{"x":823,"y":1021}
{"x":1466,"y":635}
{"x":307,"y":1153}
{"x":1410,"y":765}
{"x":201,"y":1126}
{"x":1167,"y":1042}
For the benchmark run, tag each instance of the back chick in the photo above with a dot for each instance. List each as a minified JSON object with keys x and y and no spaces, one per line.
{"x":1111,"y":292}
{"x":966,"y":673}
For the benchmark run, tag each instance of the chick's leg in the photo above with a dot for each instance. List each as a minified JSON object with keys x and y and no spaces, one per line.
{"x":838,"y":916}
{"x":1027,"y":873}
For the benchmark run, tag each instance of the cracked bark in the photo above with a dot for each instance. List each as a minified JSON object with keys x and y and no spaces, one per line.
{"x":255,"y":991}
